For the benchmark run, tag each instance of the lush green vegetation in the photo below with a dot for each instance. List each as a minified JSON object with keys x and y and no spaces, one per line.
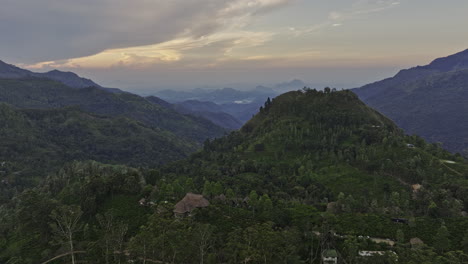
{"x":37,"y":93}
{"x":52,"y":123}
{"x":312,"y":171}
{"x":36,"y":142}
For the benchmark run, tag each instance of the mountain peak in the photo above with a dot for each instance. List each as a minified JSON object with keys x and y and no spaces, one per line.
{"x":312,"y":106}
{"x":55,"y":71}
{"x":456,"y":61}
{"x":71,"y":79}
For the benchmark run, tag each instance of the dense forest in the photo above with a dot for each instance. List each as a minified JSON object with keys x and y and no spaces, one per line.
{"x":39,"y":93}
{"x":36,"y":142}
{"x":44,"y":124}
{"x":314,"y":174}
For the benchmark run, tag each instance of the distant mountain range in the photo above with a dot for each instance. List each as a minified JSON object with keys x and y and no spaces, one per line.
{"x":218,"y":96}
{"x":292,"y":85}
{"x":8,"y":71}
{"x":207,"y":110}
{"x":430,"y":100}
{"x":211,"y":111}
{"x":240,"y":105}
{"x":46,"y":94}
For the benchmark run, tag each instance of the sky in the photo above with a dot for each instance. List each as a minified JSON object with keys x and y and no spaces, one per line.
{"x":146,"y":45}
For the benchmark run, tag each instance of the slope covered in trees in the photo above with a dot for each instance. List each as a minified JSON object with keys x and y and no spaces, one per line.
{"x":429,"y":101}
{"x":207,"y":110}
{"x":313,"y":171}
{"x":211,"y":111}
{"x":34,"y":93}
{"x":36,"y":142}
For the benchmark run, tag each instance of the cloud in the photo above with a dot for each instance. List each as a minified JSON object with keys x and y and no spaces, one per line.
{"x":35,"y":31}
{"x":358,"y":9}
{"x":207,"y":48}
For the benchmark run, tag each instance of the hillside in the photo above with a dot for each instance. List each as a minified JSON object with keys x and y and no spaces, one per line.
{"x":241,"y":105}
{"x":312,"y":171}
{"x":209,"y":110}
{"x":316,"y":130}
{"x":36,"y":142}
{"x":458,"y":61}
{"x":34,"y":93}
{"x":427,"y":100}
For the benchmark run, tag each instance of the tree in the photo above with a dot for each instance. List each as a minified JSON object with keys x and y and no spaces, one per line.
{"x":189,"y":185}
{"x":304,"y":216}
{"x":66,"y":224}
{"x":433,"y":210}
{"x":267,"y":103}
{"x":351,"y":246}
{"x":217,"y":188}
{"x":261,"y":243}
{"x":140,"y":244}
{"x":253,"y":200}
{"x":265,"y":203}
{"x":204,"y":238}
{"x":442,"y":239}
{"x":113,"y":234}
{"x":230,"y":195}
{"x":464,"y":244}
{"x":106,"y":224}
{"x":400,"y":236}
{"x":208,"y":189}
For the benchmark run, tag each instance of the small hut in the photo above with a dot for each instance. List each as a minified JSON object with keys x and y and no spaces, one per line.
{"x":416,"y":242}
{"x":189,"y":203}
{"x":416,"y":187}
{"x":331,"y":207}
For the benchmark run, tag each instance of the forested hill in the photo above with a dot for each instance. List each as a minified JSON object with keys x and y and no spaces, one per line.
{"x":429,"y":101}
{"x":36,"y":142}
{"x":313,"y":171}
{"x":335,"y":137}
{"x":34,"y":93}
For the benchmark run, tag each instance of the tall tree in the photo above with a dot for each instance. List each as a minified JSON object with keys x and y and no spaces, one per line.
{"x":113,"y":235}
{"x":464,"y":243}
{"x":442,"y":239}
{"x":400,"y":236}
{"x":204,"y":238}
{"x":65,"y":224}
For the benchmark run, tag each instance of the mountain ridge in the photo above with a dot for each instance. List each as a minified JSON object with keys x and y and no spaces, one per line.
{"x":71,"y":79}
{"x":44,"y":93}
{"x":427,"y":100}
{"x":440,"y":65}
